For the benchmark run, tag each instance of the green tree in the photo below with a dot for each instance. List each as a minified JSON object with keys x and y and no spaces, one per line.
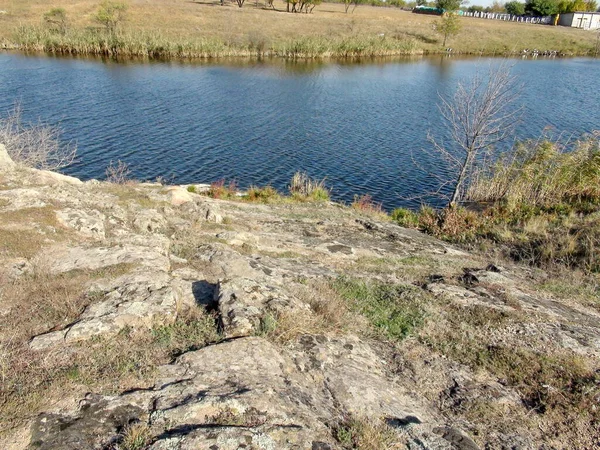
{"x":515,"y":8}
{"x":56,"y":18}
{"x":448,"y":5}
{"x":497,"y":7}
{"x":541,"y":7}
{"x":111,"y":14}
{"x":448,"y":25}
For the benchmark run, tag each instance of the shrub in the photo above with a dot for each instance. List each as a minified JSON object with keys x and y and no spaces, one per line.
{"x":35,"y":145}
{"x":405,"y":217}
{"x":118,"y":173}
{"x":366,"y":204}
{"x":219,"y":189}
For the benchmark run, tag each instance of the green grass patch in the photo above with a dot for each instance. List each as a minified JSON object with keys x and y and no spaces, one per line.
{"x":395,"y":311}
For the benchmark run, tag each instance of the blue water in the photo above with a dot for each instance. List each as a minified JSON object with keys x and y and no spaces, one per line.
{"x":359,"y":125}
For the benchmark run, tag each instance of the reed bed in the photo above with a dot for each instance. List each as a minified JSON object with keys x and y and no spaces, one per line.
{"x":97,"y":42}
{"x":542,"y":173}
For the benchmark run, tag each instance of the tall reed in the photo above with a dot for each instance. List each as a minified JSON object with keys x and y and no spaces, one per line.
{"x":542,"y":173}
{"x":93,"y":41}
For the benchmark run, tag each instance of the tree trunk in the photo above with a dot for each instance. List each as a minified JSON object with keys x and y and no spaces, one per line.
{"x":459,"y":182}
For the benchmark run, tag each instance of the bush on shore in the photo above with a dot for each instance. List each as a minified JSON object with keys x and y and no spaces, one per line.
{"x":540,"y":201}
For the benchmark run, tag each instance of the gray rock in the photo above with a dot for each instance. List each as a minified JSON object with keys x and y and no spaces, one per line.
{"x":89,"y":223}
{"x":64,"y":260}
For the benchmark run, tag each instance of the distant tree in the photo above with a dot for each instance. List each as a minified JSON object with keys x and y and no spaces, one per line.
{"x":475,"y":8}
{"x":541,"y":7}
{"x":298,"y":6}
{"x":591,"y":5}
{"x":56,"y":18}
{"x":447,"y":25}
{"x":111,"y":14}
{"x":515,"y":8}
{"x":448,"y":5}
{"x":349,"y":3}
{"x":497,"y":7}
{"x":421,"y":2}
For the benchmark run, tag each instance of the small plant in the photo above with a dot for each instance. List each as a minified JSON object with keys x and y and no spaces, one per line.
{"x":405,"y":218}
{"x":218,"y":189}
{"x":111,"y":14}
{"x":366,"y":204}
{"x":135,"y":437}
{"x":118,"y":173}
{"x":56,"y":18}
{"x":264,"y":194}
{"x":303,"y":187}
{"x":191,"y":188}
{"x":268,"y":324}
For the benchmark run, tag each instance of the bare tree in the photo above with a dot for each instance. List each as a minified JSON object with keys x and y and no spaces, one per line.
{"x":481,"y":113}
{"x":35,"y":145}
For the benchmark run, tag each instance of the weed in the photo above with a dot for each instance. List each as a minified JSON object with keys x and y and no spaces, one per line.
{"x":191,"y":188}
{"x":267,"y":326}
{"x":231,"y":417}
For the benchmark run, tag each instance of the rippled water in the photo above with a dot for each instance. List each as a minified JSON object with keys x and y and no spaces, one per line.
{"x":259,"y":122}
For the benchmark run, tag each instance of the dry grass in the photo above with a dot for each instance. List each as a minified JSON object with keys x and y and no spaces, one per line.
{"x":135,"y":437}
{"x":230,"y":30}
{"x":328,"y":313}
{"x":556,"y":386}
{"x":25,"y":231}
{"x":39,"y":302}
{"x":367,"y":434}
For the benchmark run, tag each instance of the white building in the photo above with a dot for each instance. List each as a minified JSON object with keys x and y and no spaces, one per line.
{"x":584,"y":20}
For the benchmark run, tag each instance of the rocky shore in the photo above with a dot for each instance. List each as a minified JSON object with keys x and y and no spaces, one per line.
{"x":285,"y":358}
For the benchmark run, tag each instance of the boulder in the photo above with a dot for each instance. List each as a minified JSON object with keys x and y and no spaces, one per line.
{"x":6,"y":162}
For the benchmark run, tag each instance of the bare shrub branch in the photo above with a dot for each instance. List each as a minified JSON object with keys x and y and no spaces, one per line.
{"x":118,"y":173}
{"x":479,"y":115}
{"x":35,"y":145}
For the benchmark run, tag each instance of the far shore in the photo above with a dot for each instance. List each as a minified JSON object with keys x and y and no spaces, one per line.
{"x":181,"y":29}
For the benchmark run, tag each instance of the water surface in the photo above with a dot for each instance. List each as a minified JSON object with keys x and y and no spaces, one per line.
{"x":359,"y":125}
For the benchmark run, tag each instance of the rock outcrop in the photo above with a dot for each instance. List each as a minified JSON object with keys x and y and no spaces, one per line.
{"x":247,"y":264}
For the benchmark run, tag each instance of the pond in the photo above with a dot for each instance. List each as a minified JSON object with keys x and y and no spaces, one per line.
{"x":359,"y":125}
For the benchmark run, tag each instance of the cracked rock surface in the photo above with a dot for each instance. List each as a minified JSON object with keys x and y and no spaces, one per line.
{"x":152,"y":253}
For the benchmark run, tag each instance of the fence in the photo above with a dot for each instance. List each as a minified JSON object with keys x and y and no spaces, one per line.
{"x":546,"y":20}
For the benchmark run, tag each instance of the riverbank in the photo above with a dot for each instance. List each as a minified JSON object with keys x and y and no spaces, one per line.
{"x":181,"y":29}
